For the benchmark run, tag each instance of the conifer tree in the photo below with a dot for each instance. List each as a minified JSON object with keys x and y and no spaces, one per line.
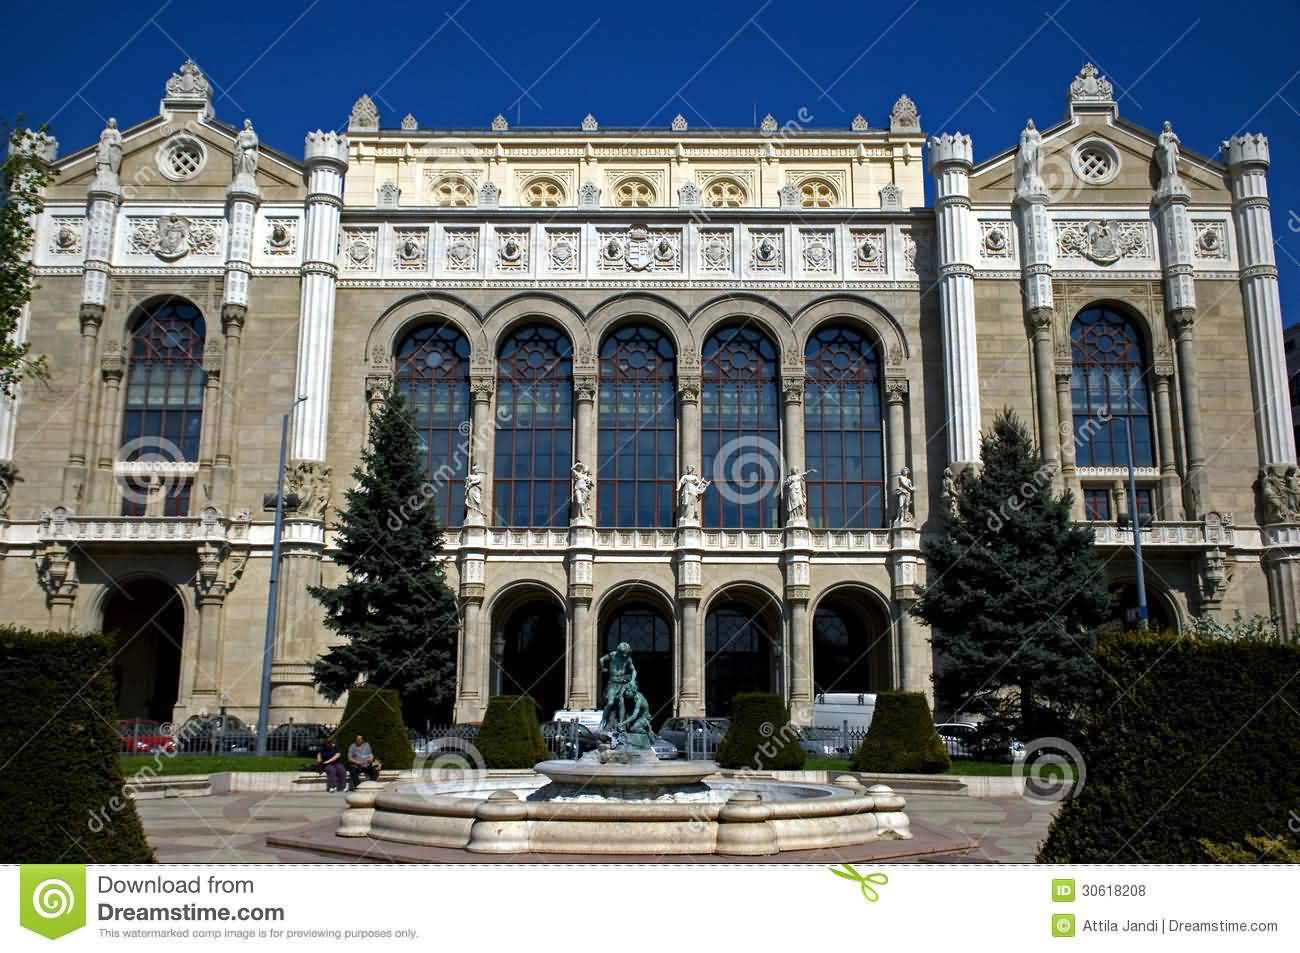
{"x":1015,"y":591}
{"x":395,"y":611}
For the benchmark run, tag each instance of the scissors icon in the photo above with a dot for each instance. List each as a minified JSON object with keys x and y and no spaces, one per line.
{"x":864,"y":881}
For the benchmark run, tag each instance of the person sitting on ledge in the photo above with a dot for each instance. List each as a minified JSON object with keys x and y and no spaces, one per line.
{"x":330,"y":760}
{"x":361,"y":760}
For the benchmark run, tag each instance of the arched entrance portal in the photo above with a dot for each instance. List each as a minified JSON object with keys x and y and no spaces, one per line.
{"x":649,"y":634}
{"x":1159,"y":618}
{"x":147,"y":618}
{"x":742,"y":648}
{"x":530,"y":654}
{"x":851,"y":645}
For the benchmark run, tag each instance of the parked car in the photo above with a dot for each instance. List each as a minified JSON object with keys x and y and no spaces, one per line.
{"x":836,"y":709}
{"x":703,"y":734}
{"x":665,"y":750}
{"x":202,"y":733}
{"x":824,"y":742}
{"x":141,"y":736}
{"x":558,"y":736}
{"x":305,"y":739}
{"x":964,"y":740}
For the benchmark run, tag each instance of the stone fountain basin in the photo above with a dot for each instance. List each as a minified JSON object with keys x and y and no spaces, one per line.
{"x":741,"y":816}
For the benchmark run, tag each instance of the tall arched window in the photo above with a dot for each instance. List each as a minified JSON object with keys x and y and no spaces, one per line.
{"x":637,"y":444}
{"x":534,"y":438}
{"x":433,"y":374}
{"x":648,"y":633}
{"x":163,"y":416}
{"x":843,"y":436}
{"x":741,"y":423}
{"x":1109,"y":391}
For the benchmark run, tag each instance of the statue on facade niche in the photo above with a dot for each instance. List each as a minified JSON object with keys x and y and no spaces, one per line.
{"x":246,"y":146}
{"x":474,"y":490}
{"x":583,"y":485}
{"x":904,"y":495}
{"x":796,"y":494}
{"x":1029,"y":159}
{"x":949,"y":492}
{"x":108,"y":155}
{"x":689,"y":490}
{"x":1167,"y":147}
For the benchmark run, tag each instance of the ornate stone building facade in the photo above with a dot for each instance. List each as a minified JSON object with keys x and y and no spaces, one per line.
{"x":696,"y":390}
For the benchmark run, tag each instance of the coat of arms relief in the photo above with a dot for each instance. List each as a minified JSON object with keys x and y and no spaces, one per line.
{"x":172,"y":237}
{"x":1103,"y":242}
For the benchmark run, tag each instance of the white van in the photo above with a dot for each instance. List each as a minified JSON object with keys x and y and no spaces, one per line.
{"x":587,"y":717}
{"x":833,"y":709}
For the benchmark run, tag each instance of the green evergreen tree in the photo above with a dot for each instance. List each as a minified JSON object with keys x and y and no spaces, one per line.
{"x":23,"y":177}
{"x":398,"y":617}
{"x":1015,"y":591}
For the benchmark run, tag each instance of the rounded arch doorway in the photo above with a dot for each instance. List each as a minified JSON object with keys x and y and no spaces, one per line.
{"x":742,"y":649}
{"x":648,"y":632}
{"x":147,"y":619}
{"x":852,"y":645}
{"x":529,"y":653}
{"x":1160,"y":616}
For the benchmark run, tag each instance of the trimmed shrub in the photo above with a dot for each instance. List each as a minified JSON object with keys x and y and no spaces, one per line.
{"x":510,"y":736}
{"x":759,"y":736}
{"x":901,"y":739}
{"x":63,"y":793}
{"x":376,"y":713}
{"x":1187,"y":741}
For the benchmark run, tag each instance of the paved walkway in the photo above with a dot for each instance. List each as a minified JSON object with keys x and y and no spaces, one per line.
{"x":232,"y":828}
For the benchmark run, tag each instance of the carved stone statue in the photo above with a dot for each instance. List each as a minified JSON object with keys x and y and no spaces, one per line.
{"x":474,"y":491}
{"x":904,"y":496}
{"x":583,"y":485}
{"x":108,"y":156}
{"x":796,"y":494}
{"x":622,"y":680}
{"x":689,"y":490}
{"x":1029,"y":159}
{"x":1279,"y":489}
{"x":949,"y":492}
{"x":246,"y":146}
{"x":1167,"y":153}
{"x":313,"y":483}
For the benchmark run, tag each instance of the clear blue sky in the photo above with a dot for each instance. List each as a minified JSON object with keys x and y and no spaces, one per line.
{"x":978,"y":67}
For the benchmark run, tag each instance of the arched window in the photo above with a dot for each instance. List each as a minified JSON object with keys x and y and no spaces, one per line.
{"x":534,"y":438}
{"x":634,"y":193}
{"x":451,"y":191}
{"x":163,"y":416}
{"x":724,"y":193}
{"x":816,"y":193}
{"x":637,"y":458}
{"x":741,"y":423}
{"x":433,"y":374}
{"x":843,"y":437}
{"x":1109,"y":391}
{"x":544,"y":193}
{"x":739,"y":644}
{"x":851,"y":645}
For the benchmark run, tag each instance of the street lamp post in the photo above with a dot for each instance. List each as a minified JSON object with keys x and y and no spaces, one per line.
{"x":272,"y":603}
{"x":1136,"y":521}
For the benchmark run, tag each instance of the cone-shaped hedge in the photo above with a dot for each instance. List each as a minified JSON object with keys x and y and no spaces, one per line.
{"x":376,"y":713}
{"x":510,"y":736}
{"x":64,"y":796}
{"x":901,"y":738}
{"x":759,"y":736}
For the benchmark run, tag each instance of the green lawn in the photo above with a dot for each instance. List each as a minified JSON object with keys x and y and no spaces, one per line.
{"x":996,"y":769}
{"x":158,"y":765}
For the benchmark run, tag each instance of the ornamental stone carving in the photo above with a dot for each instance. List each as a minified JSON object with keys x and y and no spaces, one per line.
{"x":891,"y":197}
{"x":859,"y":123}
{"x":172,"y":237}
{"x":562,"y":250}
{"x":766,"y":251}
{"x":688,"y":196}
{"x":282,"y":236}
{"x":245,"y":157}
{"x":868,"y":251}
{"x":108,"y":154}
{"x":499,"y":124}
{"x":768,"y":125}
{"x":1090,"y":87}
{"x":1211,"y":240}
{"x":512,"y":250}
{"x":1167,"y":150}
{"x":638,"y":249}
{"x":589,"y":123}
{"x":189,"y":85}
{"x":409,"y":124}
{"x":589,"y":195}
{"x":1279,"y":491}
{"x":360,"y":249}
{"x":410,"y":249}
{"x":313,"y":482}
{"x":1103,"y":242}
{"x":789,"y":195}
{"x":1029,"y":162}
{"x":66,"y":236}
{"x":995,"y":240}
{"x":679,"y":123}
{"x":904,"y":117}
{"x":716,"y":251}
{"x":364,"y":116}
{"x":389,"y":195}
{"x":462,"y":250}
{"x":489,"y":195}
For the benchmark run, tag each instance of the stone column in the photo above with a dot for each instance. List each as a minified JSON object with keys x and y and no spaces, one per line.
{"x":473,"y":648}
{"x":581,"y":667}
{"x":326,"y":161}
{"x":242,"y":200}
{"x":1036,"y":247}
{"x":792,"y":442}
{"x":584,"y":431}
{"x":1247,"y":158}
{"x":912,"y":658}
{"x":950,"y":163}
{"x":212,"y":390}
{"x":1170,"y":485}
{"x":483,"y":434}
{"x":112,"y":365}
{"x":1064,"y":375}
{"x":688,"y":422}
{"x":102,"y":201}
{"x":688,"y":563}
{"x":1174,"y":227}
{"x":895,"y":434}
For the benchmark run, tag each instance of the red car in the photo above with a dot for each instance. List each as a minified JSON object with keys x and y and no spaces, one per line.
{"x":140,"y":736}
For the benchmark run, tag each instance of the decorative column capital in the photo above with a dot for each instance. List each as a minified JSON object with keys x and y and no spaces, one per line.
{"x":1040,"y":320}
{"x":112,"y":363}
{"x":1183,"y":322}
{"x":91,"y":316}
{"x":233,"y":317}
{"x":481,"y":387}
{"x":792,"y":390}
{"x":688,"y":388}
{"x":584,"y":387}
{"x":1241,"y":153}
{"x":896,"y":389}
{"x":212,"y":363}
{"x":378,"y":384}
